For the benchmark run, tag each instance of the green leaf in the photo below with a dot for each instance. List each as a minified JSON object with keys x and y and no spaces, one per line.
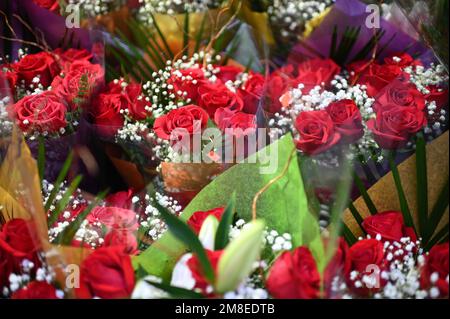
{"x":236,"y":262}
{"x":401,"y":194}
{"x":362,"y":189}
{"x":438,"y":211}
{"x":182,"y":231}
{"x":348,"y":235}
{"x":440,"y":235}
{"x":422,"y":184}
{"x":62,"y":204}
{"x":283,"y":207}
{"x":161,"y":35}
{"x":176,"y":292}
{"x":41,"y":157}
{"x":223,"y":231}
{"x":356,"y":215}
{"x":199,"y":36}
{"x":186,"y":34}
{"x":61,"y":176}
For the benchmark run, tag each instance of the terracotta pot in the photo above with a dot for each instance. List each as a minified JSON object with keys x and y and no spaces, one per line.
{"x":183,"y":181}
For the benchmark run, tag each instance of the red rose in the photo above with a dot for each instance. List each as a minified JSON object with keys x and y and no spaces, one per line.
{"x":389,"y":225}
{"x":400,"y":93}
{"x":11,"y":79}
{"x":52,"y":5}
{"x":401,"y":59}
{"x":228,"y":73}
{"x":347,"y":118}
{"x":366,"y":252}
{"x":278,"y":84}
{"x":438,"y":95}
{"x":394,"y":125}
{"x":106,"y":113}
{"x":338,"y":266}
{"x":197,"y":219}
{"x":72,"y":55}
{"x":197,"y":271}
{"x":120,"y":199}
{"x":106,"y":273}
{"x":42,"y":65}
{"x":136,"y":102}
{"x":122,"y":237}
{"x":80,"y":80}
{"x":316,"y":72}
{"x":186,"y":82}
{"x":437,"y":263}
{"x":294,"y":275}
{"x":6,"y":266}
{"x":375,"y":77}
{"x":114,"y":217}
{"x":18,"y":241}
{"x":215,"y":97}
{"x":363,"y":257}
{"x":251,"y":92}
{"x":44,"y":112}
{"x":317,"y":132}
{"x":36,"y":290}
{"x":239,"y":121}
{"x":190,"y":118}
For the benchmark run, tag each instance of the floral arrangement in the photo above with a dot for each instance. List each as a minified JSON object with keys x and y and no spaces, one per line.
{"x":115,"y":181}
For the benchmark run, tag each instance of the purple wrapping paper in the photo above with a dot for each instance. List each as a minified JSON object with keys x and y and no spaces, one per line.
{"x":353,"y":13}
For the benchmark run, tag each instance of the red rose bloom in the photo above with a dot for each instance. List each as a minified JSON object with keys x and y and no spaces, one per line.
{"x":366,"y":252}
{"x":106,"y":273}
{"x":72,"y":55}
{"x":186,"y":82}
{"x":18,"y":241}
{"x":294,"y":275}
{"x":228,"y":73}
{"x":251,"y":92}
{"x":106,"y":113}
{"x":316,"y":72}
{"x":52,"y":5}
{"x":394,"y":125}
{"x":215,"y":97}
{"x":389,"y":225}
{"x":363,"y":256}
{"x":44,"y":112}
{"x":80,"y":73}
{"x":114,"y":217}
{"x":6,"y":266}
{"x":196,"y":268}
{"x":11,"y":80}
{"x":190,"y":118}
{"x":197,"y":219}
{"x":135,"y":102}
{"x":317,"y":132}
{"x":42,"y":65}
{"x":375,"y":76}
{"x":400,"y":93}
{"x":347,"y":118}
{"x":36,"y":290}
{"x":120,"y":199}
{"x":437,"y":262}
{"x":278,"y":84}
{"x":240,"y":122}
{"x":401,"y":59}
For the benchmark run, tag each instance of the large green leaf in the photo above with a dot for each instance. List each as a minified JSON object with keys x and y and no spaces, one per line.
{"x":283,"y":206}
